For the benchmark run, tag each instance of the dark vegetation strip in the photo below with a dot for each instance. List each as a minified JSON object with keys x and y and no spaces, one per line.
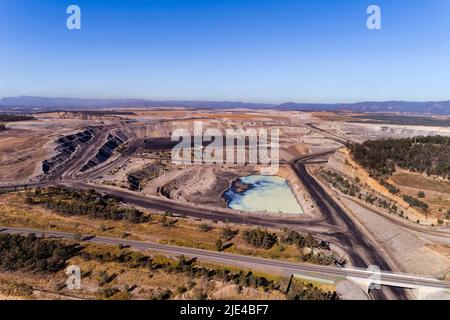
{"x":430,"y":155}
{"x":193,"y":270}
{"x":84,"y":203}
{"x":401,"y":120}
{"x":29,"y":253}
{"x":15,"y":117}
{"x":33,"y":254}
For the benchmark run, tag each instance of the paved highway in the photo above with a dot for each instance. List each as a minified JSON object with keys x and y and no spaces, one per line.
{"x":241,"y":260}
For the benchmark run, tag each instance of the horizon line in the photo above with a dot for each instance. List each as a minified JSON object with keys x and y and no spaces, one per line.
{"x":230,"y":101}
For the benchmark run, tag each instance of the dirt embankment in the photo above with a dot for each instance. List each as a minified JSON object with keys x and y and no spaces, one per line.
{"x":298,"y":189}
{"x":342,"y":162}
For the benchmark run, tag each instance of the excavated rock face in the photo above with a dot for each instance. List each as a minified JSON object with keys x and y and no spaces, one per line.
{"x":113,"y":141}
{"x":138,"y":178}
{"x":67,"y":145}
{"x":202,"y":185}
{"x":158,"y":144}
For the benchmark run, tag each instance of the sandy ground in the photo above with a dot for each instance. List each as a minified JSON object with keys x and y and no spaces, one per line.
{"x":26,"y":144}
{"x":410,"y":251}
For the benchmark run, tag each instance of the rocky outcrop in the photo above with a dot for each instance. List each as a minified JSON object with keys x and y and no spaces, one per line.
{"x":66,"y":146}
{"x":113,"y":141}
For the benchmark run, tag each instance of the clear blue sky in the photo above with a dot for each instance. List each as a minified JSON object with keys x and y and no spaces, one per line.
{"x":249,"y":50}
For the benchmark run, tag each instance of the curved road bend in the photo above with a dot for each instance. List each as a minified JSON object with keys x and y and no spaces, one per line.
{"x":352,"y":238}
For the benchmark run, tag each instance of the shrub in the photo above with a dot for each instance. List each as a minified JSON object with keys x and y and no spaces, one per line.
{"x":227,"y":233}
{"x":260,"y":238}
{"x":204,"y":227}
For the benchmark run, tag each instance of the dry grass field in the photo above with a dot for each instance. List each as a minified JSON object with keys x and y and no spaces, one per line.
{"x":20,"y":152}
{"x":437,"y":192}
{"x":419,"y":181}
{"x":125,"y":281}
{"x":15,"y":212}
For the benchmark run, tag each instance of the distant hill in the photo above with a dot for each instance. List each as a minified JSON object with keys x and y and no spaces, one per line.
{"x":46,"y":103}
{"x":434,"y":107}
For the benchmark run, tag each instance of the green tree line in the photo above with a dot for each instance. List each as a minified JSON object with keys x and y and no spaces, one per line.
{"x":430,"y":155}
{"x":30,"y":253}
{"x":88,"y":203}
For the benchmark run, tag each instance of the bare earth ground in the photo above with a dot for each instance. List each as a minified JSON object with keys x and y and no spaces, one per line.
{"x":411,"y":251}
{"x":25,"y":145}
{"x":437,"y":192}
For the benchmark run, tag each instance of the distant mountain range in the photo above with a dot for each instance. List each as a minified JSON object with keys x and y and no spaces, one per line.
{"x":46,"y":104}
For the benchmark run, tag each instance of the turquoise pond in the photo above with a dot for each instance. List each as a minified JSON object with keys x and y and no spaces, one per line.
{"x":262,"y":193}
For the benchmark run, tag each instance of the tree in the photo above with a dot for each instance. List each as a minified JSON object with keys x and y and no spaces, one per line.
{"x":421,"y":194}
{"x":260,"y":238}
{"x":204,"y":227}
{"x":168,"y":213}
{"x":227,"y":233}
{"x":219,"y":245}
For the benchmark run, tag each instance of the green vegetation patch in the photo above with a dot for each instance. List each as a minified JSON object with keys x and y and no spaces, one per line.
{"x":87,"y":203}
{"x":430,"y":155}
{"x":15,"y":117}
{"x":184,"y":265}
{"x":29,"y":253}
{"x":305,"y":290}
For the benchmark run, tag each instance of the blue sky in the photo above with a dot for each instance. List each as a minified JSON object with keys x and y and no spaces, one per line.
{"x":249,"y":50}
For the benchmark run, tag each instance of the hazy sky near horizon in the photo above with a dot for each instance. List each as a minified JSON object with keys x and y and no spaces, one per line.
{"x":249,"y":50}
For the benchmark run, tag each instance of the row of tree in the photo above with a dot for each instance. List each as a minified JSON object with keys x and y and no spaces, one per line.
{"x":89,"y":203}
{"x":15,"y":117}
{"x":182,"y":265}
{"x":415,"y":202}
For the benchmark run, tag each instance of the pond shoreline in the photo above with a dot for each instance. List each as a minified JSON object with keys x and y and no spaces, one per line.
{"x":262,"y":193}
